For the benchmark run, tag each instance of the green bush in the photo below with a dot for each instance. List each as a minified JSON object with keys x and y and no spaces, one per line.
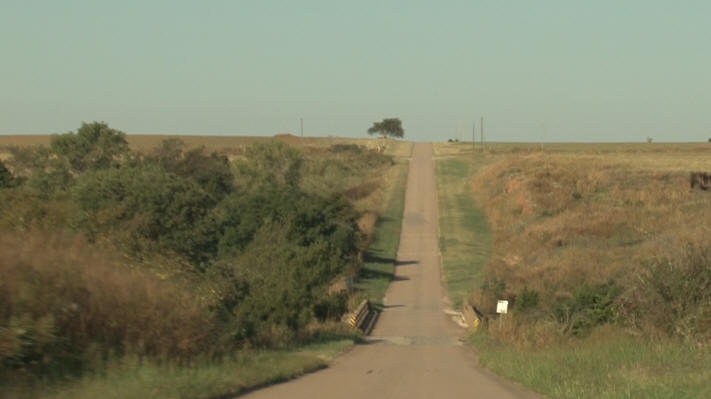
{"x":672,"y":293}
{"x":211,"y":172}
{"x":309,"y":218}
{"x":272,"y":163}
{"x":278,"y":287}
{"x":93,"y":146}
{"x":146,"y":203}
{"x":526,"y":300}
{"x":589,"y":306}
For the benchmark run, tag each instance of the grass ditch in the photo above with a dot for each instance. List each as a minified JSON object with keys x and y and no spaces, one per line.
{"x":379,"y":261}
{"x":465,"y":235}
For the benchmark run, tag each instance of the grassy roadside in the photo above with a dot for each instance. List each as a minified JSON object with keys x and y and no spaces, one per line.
{"x":379,"y":261}
{"x":601,"y":367}
{"x":609,"y":363}
{"x":210,"y":380}
{"x":465,"y":235}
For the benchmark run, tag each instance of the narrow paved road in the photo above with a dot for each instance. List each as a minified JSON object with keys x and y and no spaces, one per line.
{"x":415,"y":349}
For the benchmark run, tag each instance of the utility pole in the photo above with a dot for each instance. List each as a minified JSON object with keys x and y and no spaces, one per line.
{"x":482,"y":134}
{"x":302,"y":126}
{"x":474,"y":136}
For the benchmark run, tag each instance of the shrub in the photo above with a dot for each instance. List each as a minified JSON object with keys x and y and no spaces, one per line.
{"x":590,"y":305}
{"x":672,"y":293}
{"x":93,"y":146}
{"x":146,"y":203}
{"x":526,"y":300}
{"x":211,"y":172}
{"x":272,"y":163}
{"x":308,"y":218}
{"x":278,"y":287}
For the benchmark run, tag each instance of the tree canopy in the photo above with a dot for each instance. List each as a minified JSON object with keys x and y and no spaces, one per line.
{"x":391,"y":127}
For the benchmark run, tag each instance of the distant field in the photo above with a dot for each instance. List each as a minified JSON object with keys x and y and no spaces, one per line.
{"x":656,"y":156}
{"x":217,"y":143}
{"x":499,"y":147}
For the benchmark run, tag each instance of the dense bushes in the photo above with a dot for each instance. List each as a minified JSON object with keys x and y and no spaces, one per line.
{"x":276,"y":286}
{"x":310,"y":219}
{"x":208,"y":256}
{"x":672,"y":294}
{"x":145,"y":204}
{"x":93,"y":146}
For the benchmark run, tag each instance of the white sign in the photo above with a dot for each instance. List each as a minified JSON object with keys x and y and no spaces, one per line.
{"x":502,"y":307}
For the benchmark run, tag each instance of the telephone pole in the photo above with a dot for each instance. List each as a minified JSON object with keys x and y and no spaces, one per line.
{"x":302,"y":126}
{"x":474,"y":136}
{"x":482,"y":134}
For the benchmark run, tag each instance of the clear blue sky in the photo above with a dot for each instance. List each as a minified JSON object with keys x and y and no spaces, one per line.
{"x":536,"y":70}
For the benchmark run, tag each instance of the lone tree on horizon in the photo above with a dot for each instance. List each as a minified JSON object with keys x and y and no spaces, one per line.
{"x":388,"y":127}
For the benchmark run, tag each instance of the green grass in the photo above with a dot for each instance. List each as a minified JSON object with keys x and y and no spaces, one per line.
{"x":245,"y":371}
{"x":379,"y":261}
{"x":616,"y":366}
{"x":465,"y":234}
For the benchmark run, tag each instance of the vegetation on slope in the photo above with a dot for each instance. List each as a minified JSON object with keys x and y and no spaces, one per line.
{"x":173,"y":256}
{"x":465,"y":234}
{"x":604,"y":258}
{"x":581,"y":242}
{"x":379,"y":261}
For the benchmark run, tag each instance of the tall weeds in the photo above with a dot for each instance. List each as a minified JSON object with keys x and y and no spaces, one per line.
{"x":580,"y":241}
{"x":64,"y":307}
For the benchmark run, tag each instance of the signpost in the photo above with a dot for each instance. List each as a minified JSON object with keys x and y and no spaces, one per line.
{"x":502,"y":308}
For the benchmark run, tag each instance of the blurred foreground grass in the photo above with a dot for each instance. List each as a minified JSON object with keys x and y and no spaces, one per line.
{"x":210,"y":379}
{"x":605,"y":366}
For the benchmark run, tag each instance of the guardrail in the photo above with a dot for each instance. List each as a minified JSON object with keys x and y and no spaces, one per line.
{"x":471,"y":317}
{"x":359,"y":317}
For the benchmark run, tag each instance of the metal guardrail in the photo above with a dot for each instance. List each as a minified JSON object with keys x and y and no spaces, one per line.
{"x":471,"y":317}
{"x":358,"y":318}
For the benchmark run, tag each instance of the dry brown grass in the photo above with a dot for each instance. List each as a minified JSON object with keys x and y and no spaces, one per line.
{"x":69,"y":305}
{"x":575,"y":215}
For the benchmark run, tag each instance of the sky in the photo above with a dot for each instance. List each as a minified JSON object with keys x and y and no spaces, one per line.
{"x":536,"y":71}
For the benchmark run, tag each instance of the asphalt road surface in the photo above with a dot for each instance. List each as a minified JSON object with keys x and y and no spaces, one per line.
{"x":415,"y":349}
